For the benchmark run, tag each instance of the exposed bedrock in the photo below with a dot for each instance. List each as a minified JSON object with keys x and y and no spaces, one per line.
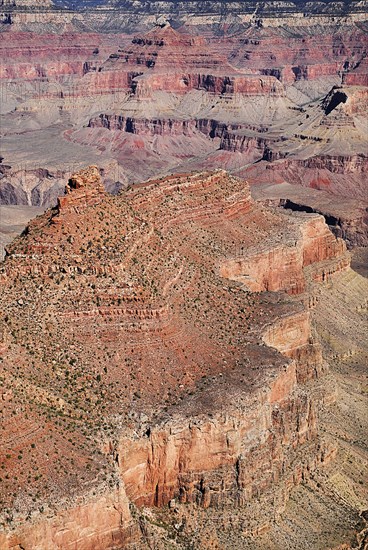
{"x":289,"y":74}
{"x":352,"y":228}
{"x":339,"y":175}
{"x":225,"y":460}
{"x":239,"y":420}
{"x":235,"y":457}
{"x":216,"y":84}
{"x":268,"y":440}
{"x":337,"y":164}
{"x":143,"y":84}
{"x":358,"y":76}
{"x":347,"y":219}
{"x":281,"y":266}
{"x":258,"y":14}
{"x":150,"y":127}
{"x":28,"y":56}
{"x":235,"y":141}
{"x":258,"y":91}
{"x":232,"y":136}
{"x":101,"y":524}
{"x":32,"y":187}
{"x":292,"y":336}
{"x":161,"y":126}
{"x":356,"y":79}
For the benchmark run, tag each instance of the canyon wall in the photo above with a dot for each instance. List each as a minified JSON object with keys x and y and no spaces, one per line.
{"x":103,"y":523}
{"x":244,"y":93}
{"x":282,"y":267}
{"x":222,"y":417}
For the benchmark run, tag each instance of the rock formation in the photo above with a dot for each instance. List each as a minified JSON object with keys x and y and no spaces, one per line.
{"x":162,"y":380}
{"x":347,"y":219}
{"x":172,"y":362}
{"x":254,"y":92}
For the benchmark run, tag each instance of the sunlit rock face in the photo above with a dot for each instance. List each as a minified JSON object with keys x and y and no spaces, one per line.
{"x":257,"y":95}
{"x":174,"y":346}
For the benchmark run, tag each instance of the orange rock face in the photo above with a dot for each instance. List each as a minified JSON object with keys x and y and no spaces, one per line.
{"x":102,"y":523}
{"x":282,"y":267}
{"x":84,"y":189}
{"x":171,"y":357}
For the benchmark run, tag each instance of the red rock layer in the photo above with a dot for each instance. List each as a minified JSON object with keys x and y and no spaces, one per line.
{"x":282,"y":267}
{"x":340,"y":175}
{"x":199,"y":384}
{"x":51,"y":56}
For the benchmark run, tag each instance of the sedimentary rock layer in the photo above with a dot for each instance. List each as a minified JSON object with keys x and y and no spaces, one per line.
{"x":158,"y":373}
{"x":252,"y":95}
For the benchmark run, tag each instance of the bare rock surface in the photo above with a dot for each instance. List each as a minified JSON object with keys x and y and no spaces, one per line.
{"x":262,"y":96}
{"x":171,"y":363}
{"x":347,"y":219}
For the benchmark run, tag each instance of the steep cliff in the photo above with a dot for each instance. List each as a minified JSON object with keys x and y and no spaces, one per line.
{"x":156,"y":376}
{"x":243,"y":91}
{"x":281,"y":266}
{"x":347,"y":219}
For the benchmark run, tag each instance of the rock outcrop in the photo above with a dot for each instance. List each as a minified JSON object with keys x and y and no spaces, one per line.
{"x":281,"y":267}
{"x":84,"y":189}
{"x":158,"y":373}
{"x":347,"y":219}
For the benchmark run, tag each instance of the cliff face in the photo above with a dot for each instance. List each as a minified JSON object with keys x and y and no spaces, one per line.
{"x":338,"y":164}
{"x":245,"y":95}
{"x":181,"y":82}
{"x":224,"y":461}
{"x":232,"y":458}
{"x":137,"y":288}
{"x":264,"y":8}
{"x":243,"y":92}
{"x":231,"y":137}
{"x":282,"y":267}
{"x":84,"y":189}
{"x":151,"y":127}
{"x":346,"y":219}
{"x":358,"y":75}
{"x":103,"y":523}
{"x":338,"y":175}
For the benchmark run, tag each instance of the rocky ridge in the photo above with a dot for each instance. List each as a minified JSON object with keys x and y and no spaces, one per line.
{"x":162,"y":332}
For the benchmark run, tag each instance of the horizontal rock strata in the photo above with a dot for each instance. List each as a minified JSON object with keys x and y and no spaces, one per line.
{"x":160,"y":372}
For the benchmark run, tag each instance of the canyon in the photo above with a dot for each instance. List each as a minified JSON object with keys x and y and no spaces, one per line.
{"x":183,"y":263}
{"x":177,"y":369}
{"x":273,"y":95}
